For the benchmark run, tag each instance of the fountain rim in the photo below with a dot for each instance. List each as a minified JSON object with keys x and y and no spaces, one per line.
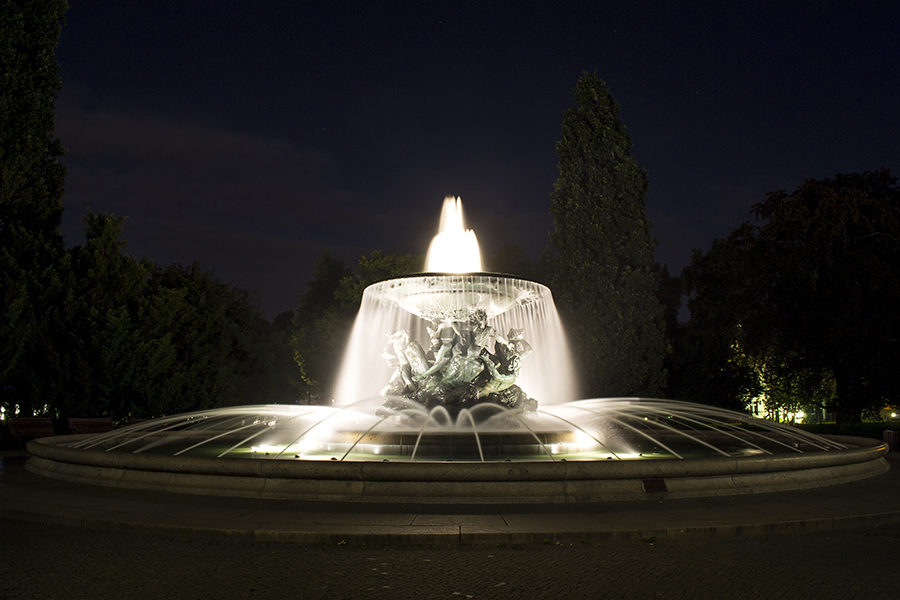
{"x":441,"y":482}
{"x":491,"y":274}
{"x":467,"y":273}
{"x":425,"y":294}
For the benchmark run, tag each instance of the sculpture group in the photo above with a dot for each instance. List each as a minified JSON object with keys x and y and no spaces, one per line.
{"x":468,"y":363}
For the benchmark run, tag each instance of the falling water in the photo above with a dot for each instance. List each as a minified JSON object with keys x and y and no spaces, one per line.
{"x":546,"y":375}
{"x":363,"y":371}
{"x":598,"y":429}
{"x":416,"y":303}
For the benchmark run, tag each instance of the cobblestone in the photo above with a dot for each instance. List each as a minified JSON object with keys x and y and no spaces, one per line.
{"x":52,"y":561}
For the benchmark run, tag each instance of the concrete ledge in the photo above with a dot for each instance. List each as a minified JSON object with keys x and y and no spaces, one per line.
{"x":458,"y":482}
{"x":28,"y":497}
{"x":455,"y":535}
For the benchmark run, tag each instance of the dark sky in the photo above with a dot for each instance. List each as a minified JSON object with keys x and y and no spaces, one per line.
{"x":252,"y":136}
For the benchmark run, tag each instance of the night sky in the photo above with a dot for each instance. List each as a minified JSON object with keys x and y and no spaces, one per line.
{"x":252,"y":136}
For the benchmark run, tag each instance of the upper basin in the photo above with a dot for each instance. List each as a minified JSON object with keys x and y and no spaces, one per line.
{"x":441,"y":297}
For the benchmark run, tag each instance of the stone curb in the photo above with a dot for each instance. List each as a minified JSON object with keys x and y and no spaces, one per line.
{"x":458,"y":482}
{"x":456,"y":535}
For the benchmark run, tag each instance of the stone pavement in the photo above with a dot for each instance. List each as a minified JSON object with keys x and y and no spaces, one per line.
{"x":26,"y":496}
{"x":63,"y":540}
{"x":51,"y":561}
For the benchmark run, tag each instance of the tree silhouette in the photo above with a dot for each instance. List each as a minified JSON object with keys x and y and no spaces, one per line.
{"x":603,"y":265}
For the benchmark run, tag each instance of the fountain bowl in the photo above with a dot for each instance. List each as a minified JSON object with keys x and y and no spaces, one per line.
{"x":618,"y":449}
{"x":440,"y":297}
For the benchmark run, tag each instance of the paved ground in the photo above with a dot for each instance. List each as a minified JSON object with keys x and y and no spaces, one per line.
{"x":854,"y":553}
{"x":51,"y":561}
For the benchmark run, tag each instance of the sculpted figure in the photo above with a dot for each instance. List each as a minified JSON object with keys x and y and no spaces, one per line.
{"x":465,"y":364}
{"x":408,"y":359}
{"x":517,"y":342}
{"x":473,"y":365}
{"x":459,"y":370}
{"x":500,"y":380}
{"x":482,"y":333}
{"x":447,"y":335}
{"x":509,"y":354}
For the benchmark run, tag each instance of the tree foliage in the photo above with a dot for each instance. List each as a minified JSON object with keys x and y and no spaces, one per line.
{"x":92,"y":331}
{"x":721,"y":288}
{"x":603,"y":266}
{"x":321,"y":326}
{"x":325,"y":314}
{"x":31,"y":188}
{"x":31,"y":176}
{"x":511,"y":260}
{"x":130,"y":339}
{"x":103,"y":346}
{"x":810,"y":296}
{"x":285,"y":385}
{"x":219,"y":342}
{"x":830,"y":254}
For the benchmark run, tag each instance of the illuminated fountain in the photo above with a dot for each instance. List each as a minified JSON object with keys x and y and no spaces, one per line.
{"x":457,"y":337}
{"x":457,"y":387}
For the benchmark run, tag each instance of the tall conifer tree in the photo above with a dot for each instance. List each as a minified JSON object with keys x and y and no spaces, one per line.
{"x":603,"y":258}
{"x":31,"y":189}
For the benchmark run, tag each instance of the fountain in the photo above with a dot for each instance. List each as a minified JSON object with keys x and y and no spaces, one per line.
{"x":457,"y":387}
{"x":457,"y":337}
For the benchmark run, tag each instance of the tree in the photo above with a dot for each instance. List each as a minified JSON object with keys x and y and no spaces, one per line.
{"x":325,"y":315}
{"x":32,"y":271}
{"x":784,"y":389}
{"x":372,"y":269}
{"x":603,"y":266}
{"x":803,"y":309}
{"x":320,"y":326}
{"x":212,"y":339}
{"x":709,"y":363}
{"x":101,"y":339}
{"x":286,"y":385}
{"x":31,"y":176}
{"x":511,"y":260}
{"x":829,"y":269}
{"x":670,"y":295}
{"x":136,"y":340}
{"x":92,"y":331}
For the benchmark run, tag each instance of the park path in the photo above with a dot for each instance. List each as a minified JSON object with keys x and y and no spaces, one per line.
{"x":54,"y":561}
